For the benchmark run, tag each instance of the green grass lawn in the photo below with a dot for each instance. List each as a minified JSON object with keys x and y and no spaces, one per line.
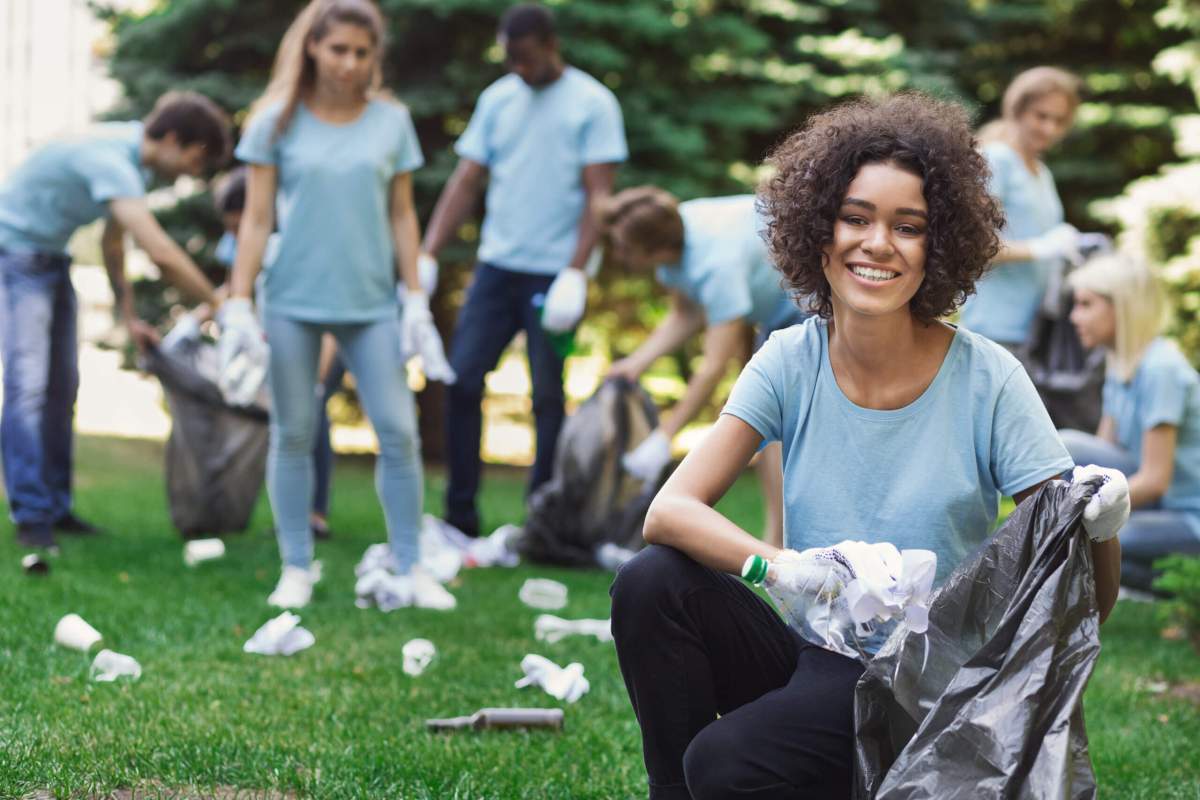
{"x":341,"y":719}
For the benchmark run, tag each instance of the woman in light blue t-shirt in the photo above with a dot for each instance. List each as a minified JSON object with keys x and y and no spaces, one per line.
{"x":895,"y":427}
{"x":1038,"y":111}
{"x":332,"y":160}
{"x":1150,"y":427}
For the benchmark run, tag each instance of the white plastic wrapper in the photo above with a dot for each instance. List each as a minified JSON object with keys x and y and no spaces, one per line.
{"x":417,"y":653}
{"x":564,"y":683}
{"x":543,"y":593}
{"x":108,"y":666}
{"x":281,"y":636}
{"x":850,"y":597}
{"x":549,"y":628}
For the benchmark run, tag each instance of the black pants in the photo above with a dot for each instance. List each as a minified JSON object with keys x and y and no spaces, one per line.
{"x":694,"y":643}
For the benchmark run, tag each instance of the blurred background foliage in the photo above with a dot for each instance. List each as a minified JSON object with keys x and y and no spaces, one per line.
{"x":708,"y":86}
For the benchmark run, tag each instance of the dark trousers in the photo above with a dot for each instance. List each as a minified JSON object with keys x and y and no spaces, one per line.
{"x":41,"y":378}
{"x":499,"y":303}
{"x":694,"y":643}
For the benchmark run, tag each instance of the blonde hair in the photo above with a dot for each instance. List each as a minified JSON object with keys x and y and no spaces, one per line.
{"x":1139,"y":305}
{"x":1025,"y":90}
{"x":294,"y":74}
{"x":647,"y":217}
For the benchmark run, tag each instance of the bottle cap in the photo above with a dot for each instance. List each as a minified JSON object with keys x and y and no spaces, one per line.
{"x":755,"y":569}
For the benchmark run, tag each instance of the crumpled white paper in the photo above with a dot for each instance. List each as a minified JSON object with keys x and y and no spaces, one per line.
{"x":107,"y":666}
{"x":564,"y":683}
{"x":281,"y":636}
{"x":417,"y":654}
{"x":549,"y":628}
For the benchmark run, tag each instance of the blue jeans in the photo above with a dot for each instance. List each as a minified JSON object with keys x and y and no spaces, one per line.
{"x":41,"y":378}
{"x":323,"y":447}
{"x":499,"y":303}
{"x":1151,"y":533}
{"x":371,"y":351}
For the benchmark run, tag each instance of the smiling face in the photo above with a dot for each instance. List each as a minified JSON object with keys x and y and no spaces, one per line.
{"x":1044,"y":123}
{"x":876,"y":261}
{"x":344,"y":58}
{"x":1094,"y":318}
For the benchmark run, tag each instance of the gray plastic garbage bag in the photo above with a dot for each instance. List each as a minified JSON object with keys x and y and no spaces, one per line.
{"x":989,"y":705}
{"x":216,"y":454}
{"x":591,"y":500}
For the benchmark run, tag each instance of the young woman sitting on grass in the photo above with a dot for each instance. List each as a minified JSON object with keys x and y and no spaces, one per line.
{"x":895,"y":427}
{"x":1151,"y":423}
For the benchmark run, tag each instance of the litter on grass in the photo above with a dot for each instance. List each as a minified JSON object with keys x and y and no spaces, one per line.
{"x":108,"y":666}
{"x":73,"y":631}
{"x":198,"y":550}
{"x":281,"y":636}
{"x":563,"y":683}
{"x":417,"y":654}
{"x":501,"y":719}
{"x":543,"y":593}
{"x":33,"y":564}
{"x":549,"y":628}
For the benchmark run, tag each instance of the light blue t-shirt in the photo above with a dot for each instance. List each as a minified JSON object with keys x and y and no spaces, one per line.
{"x":929,"y":475}
{"x":1165,"y":390}
{"x":69,"y":183}
{"x":535,"y":143}
{"x":335,"y":261}
{"x":1007,"y":298}
{"x":725,"y":267}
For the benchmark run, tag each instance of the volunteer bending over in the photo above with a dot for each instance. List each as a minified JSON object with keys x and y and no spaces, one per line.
{"x":336,"y":158}
{"x":713,"y":261}
{"x":895,"y":427}
{"x":1150,"y":427}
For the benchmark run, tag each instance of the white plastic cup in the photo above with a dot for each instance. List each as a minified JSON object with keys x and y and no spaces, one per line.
{"x":108,"y":666}
{"x":73,"y":631}
{"x":543,"y":593}
{"x":199,"y":550}
{"x":417,"y":655}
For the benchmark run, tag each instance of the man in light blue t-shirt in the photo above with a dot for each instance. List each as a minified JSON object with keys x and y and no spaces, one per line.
{"x":60,"y":187}
{"x":547,"y":139}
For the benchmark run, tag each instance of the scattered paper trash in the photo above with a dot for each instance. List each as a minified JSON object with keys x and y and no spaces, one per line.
{"x":417,"y":655}
{"x":549,"y":628}
{"x":501,"y":718}
{"x":33,"y":564}
{"x":281,"y":636}
{"x":199,"y":550}
{"x":108,"y":666}
{"x":73,"y":632}
{"x":543,"y":593}
{"x":564,"y":683}
{"x":611,"y":556}
{"x":497,"y":550}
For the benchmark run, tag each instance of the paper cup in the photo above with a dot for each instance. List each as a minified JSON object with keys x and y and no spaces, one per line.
{"x":73,"y":632}
{"x":199,"y":550}
{"x":543,"y":593}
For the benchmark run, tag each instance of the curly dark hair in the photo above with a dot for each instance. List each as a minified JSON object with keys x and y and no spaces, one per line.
{"x":928,"y":137}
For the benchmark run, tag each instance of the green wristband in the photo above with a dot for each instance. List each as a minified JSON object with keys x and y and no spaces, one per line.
{"x":755,"y":570}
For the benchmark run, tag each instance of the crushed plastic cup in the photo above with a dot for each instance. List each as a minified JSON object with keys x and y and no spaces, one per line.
{"x":543,"y":593}
{"x":281,"y":636}
{"x":549,"y":628}
{"x":108,"y":666}
{"x":73,"y":631}
{"x":417,"y":655}
{"x":199,"y":550}
{"x":564,"y":683}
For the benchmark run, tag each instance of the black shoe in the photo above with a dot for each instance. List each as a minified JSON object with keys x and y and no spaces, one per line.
{"x":74,"y":526}
{"x":37,"y":535}
{"x":320,"y":530}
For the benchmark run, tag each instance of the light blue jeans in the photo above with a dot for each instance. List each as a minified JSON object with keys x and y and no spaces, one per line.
{"x":371,"y":352}
{"x":1151,"y":533}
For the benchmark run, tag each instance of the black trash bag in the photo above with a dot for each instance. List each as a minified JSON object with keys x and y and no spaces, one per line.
{"x":1068,"y":377}
{"x":216,"y":453}
{"x":591,"y":500}
{"x":989,"y":705}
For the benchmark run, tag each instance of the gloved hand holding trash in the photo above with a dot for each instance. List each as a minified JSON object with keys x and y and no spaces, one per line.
{"x":565,"y":301}
{"x":646,"y":461}
{"x":1108,"y":509}
{"x":420,"y":337}
{"x":842,"y":596}
{"x":1061,"y":241}
{"x":241,"y":352}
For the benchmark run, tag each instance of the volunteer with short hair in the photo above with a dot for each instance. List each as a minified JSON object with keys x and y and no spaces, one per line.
{"x":336,"y":158}
{"x":1150,"y":426}
{"x":895,"y":427}
{"x":713,"y":261}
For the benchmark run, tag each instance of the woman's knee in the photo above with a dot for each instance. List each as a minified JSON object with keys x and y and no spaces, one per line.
{"x":654,"y":577}
{"x":714,"y":765}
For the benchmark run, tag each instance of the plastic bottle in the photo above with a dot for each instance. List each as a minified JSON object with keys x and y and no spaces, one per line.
{"x":562,"y":343}
{"x":500,"y":718}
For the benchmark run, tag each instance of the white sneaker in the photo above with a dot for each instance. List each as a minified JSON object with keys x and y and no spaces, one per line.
{"x":294,"y":589}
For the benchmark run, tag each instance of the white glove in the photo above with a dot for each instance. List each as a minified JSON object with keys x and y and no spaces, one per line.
{"x":186,"y":330}
{"x":419,"y":336}
{"x":565,"y":301}
{"x":241,"y":352}
{"x":1061,"y":241}
{"x":1108,"y":510}
{"x":427,"y":273}
{"x":646,"y":461}
{"x":564,"y":683}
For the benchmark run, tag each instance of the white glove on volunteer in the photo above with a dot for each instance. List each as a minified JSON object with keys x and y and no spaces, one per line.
{"x":1061,"y":241}
{"x":565,"y":301}
{"x":241,"y":352}
{"x":419,"y":336}
{"x":646,"y":461}
{"x":427,"y":273}
{"x":1108,"y":510}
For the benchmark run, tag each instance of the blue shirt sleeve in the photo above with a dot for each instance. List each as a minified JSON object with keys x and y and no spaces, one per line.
{"x":757,"y":397}
{"x":474,"y":142}
{"x":408,"y":153}
{"x":604,"y":135}
{"x":257,"y":145}
{"x":1163,"y":398}
{"x":1026,"y":449}
{"x":109,"y":176}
